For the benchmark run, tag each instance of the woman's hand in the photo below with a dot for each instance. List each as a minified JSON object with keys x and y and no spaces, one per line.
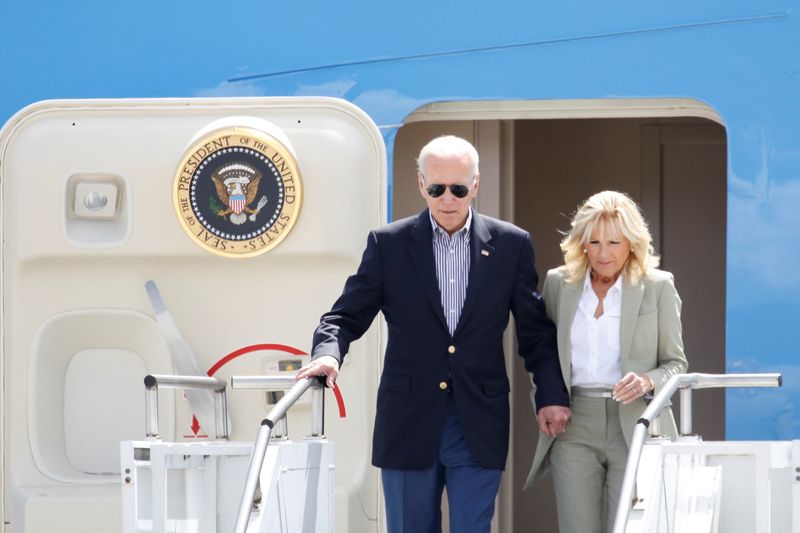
{"x":632,"y":386}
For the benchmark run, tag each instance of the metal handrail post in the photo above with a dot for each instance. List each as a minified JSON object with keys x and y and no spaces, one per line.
{"x":281,"y":429}
{"x":691,"y":381}
{"x":317,"y":412}
{"x":153,"y":382}
{"x":262,"y":440}
{"x":151,"y":413}
{"x":655,"y":427}
{"x":686,"y":411}
{"x":221,"y":414}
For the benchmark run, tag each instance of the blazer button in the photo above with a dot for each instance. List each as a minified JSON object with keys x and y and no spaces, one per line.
{"x":443,"y":385}
{"x":451,"y":349}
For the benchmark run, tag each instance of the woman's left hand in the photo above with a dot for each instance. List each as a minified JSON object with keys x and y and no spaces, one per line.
{"x":632,"y":386}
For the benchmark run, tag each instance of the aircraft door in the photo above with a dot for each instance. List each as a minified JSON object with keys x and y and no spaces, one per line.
{"x":248,"y":214}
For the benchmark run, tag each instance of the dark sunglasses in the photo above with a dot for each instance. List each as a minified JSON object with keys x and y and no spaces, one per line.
{"x":459,"y":191}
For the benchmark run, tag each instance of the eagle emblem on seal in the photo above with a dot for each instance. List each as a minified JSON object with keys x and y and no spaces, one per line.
{"x":237,"y":187}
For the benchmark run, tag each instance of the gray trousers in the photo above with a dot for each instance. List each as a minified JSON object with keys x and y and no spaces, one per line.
{"x":588,"y":464}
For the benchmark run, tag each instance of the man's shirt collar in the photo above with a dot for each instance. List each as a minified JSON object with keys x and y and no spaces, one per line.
{"x":436,"y":228}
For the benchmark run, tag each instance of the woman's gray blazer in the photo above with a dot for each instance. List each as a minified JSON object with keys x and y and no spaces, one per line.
{"x":650,"y":342}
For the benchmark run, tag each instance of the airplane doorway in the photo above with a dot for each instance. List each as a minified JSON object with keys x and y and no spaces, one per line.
{"x":535,"y":172}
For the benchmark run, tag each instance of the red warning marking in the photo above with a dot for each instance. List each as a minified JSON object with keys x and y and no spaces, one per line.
{"x":195,"y":430}
{"x":339,"y":400}
{"x":253,"y":348}
{"x":337,"y":393}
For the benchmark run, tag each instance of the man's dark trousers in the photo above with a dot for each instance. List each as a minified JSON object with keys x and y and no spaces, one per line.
{"x":413,"y":497}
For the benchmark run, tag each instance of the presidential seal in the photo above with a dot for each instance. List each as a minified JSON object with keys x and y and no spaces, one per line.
{"x":238,"y":192}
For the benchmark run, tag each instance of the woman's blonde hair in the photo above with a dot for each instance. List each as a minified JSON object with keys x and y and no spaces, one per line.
{"x":624,"y":216}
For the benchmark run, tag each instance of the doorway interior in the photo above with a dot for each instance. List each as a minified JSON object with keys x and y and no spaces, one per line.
{"x":539,"y":160}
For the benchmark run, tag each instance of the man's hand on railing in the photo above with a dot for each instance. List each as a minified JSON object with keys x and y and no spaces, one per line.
{"x":553,"y":419}
{"x":325,"y":365}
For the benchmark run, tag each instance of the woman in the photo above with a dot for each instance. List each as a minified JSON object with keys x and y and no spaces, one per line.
{"x":619,"y":339}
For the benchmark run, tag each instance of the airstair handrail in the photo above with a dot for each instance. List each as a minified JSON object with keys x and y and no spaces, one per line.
{"x":251,"y":486}
{"x":686,"y":382}
{"x":152,"y":382}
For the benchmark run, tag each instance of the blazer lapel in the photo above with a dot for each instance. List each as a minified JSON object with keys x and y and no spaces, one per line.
{"x":568,"y":306}
{"x":631,"y":301}
{"x":421,"y":253}
{"x":481,"y":258}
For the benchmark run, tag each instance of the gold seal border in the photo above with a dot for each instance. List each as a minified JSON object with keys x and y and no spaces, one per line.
{"x":229,"y":137}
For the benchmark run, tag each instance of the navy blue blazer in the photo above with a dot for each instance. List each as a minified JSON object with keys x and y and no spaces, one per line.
{"x":397,"y":276}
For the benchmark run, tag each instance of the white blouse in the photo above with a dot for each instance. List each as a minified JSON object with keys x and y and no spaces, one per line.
{"x":594,"y":342}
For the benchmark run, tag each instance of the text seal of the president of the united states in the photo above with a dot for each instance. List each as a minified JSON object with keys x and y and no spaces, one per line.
{"x":238,"y":192}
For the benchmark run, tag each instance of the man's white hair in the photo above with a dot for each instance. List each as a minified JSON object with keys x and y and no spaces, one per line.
{"x":448,"y":146}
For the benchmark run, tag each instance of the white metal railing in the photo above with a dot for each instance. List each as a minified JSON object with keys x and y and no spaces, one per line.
{"x":250,"y":495}
{"x":685,"y":382}
{"x":153,"y":382}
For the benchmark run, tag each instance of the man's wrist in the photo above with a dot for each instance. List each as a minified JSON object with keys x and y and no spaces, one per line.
{"x":316,"y":357}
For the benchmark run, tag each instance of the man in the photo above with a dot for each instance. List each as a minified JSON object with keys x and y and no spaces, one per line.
{"x":445,"y":281}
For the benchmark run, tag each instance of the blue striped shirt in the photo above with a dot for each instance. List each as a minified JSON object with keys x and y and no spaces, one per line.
{"x":452,"y":257}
